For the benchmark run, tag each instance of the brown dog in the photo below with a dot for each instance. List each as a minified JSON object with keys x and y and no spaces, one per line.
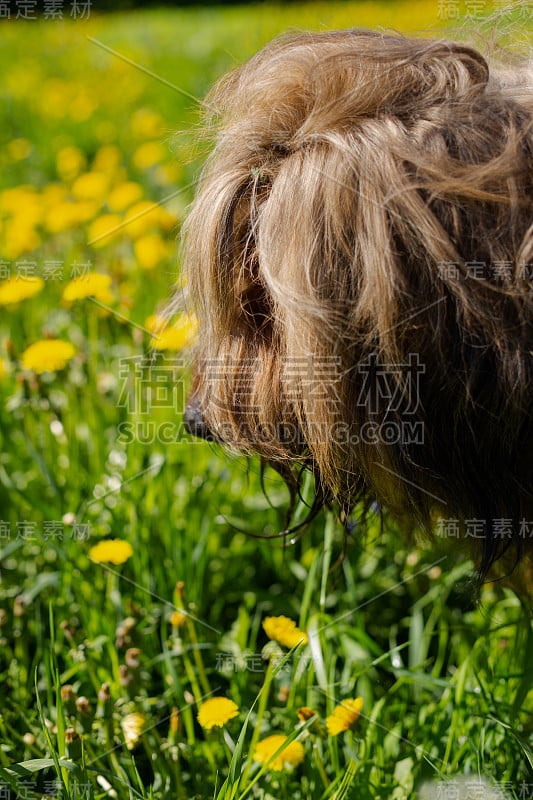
{"x":360,"y":258}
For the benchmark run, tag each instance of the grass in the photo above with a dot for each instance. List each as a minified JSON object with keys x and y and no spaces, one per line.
{"x":101,"y":679}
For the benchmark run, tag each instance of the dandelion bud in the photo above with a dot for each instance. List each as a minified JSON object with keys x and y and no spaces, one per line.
{"x":19,"y":606}
{"x":133,"y":657}
{"x":73,"y":743}
{"x":68,"y":697}
{"x":70,"y":735}
{"x":67,"y":693}
{"x":305,"y":713}
{"x":175,"y":721}
{"x":283,"y":694}
{"x":125,"y":676}
{"x":83,"y":706}
{"x":178,"y":619}
{"x":68,"y":630}
{"x":104,"y":695}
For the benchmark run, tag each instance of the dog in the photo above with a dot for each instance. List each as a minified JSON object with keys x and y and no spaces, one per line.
{"x":359,"y":256}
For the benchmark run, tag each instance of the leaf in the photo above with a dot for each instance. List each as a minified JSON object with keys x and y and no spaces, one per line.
{"x":25,"y":768}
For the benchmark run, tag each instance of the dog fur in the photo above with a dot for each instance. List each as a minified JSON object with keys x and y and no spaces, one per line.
{"x":356,"y":180}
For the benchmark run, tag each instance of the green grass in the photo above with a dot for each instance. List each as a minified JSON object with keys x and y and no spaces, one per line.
{"x":446,"y":683}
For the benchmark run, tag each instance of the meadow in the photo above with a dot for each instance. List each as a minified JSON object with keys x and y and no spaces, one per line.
{"x":158,"y":638}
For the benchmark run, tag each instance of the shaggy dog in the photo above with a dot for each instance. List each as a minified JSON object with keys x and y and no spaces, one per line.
{"x":360,"y":258}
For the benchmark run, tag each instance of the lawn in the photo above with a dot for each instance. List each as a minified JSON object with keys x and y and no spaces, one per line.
{"x":155,"y":630}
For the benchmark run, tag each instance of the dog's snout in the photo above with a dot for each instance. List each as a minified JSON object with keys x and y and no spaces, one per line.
{"x":194,"y":422}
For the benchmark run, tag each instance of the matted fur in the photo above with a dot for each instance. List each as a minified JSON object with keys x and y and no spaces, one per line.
{"x":356,"y":177}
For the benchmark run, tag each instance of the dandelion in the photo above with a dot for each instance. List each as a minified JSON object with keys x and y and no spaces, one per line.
{"x":216,"y":711}
{"x":90,"y":186}
{"x":82,"y":107}
{"x":148,"y":154}
{"x":4,"y":369}
{"x":176,"y":336}
{"x":112,"y":551}
{"x":104,"y":229}
{"x":344,"y":716}
{"x":53,"y":194}
{"x":19,"y":199}
{"x":94,"y":284}
{"x":19,"y":288}
{"x":155,"y":323}
{"x":289,"y":758}
{"x":132,"y":728}
{"x":145,"y":123}
{"x":66,"y":215}
{"x":305,"y":713}
{"x":47,"y":355}
{"x":178,"y":619}
{"x":108,"y":157}
{"x":19,"y":149}
{"x":124,"y":195}
{"x":284,"y":630}
{"x":69,"y":162}
{"x":19,"y":237}
{"x":149,"y":250}
{"x":141,"y":217}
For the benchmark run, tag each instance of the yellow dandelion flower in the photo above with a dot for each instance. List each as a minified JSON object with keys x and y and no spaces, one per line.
{"x":150,"y":250}
{"x":19,"y":288}
{"x":166,"y":220}
{"x":19,"y":149}
{"x":94,"y":284}
{"x":4,"y":368}
{"x":108,"y":157}
{"x":105,"y":229}
{"x":177,"y":618}
{"x":82,"y":107}
{"x":17,"y":199}
{"x":19,"y":237}
{"x":344,"y":716}
{"x":124,"y":195}
{"x":53,"y":194}
{"x":84,"y":210}
{"x":66,"y":214}
{"x":216,"y":711}
{"x":54,"y":95}
{"x":141,"y":217}
{"x":90,"y":186}
{"x":168,"y":173}
{"x":47,"y":355}
{"x":155,"y":323}
{"x":113,"y":551}
{"x":177,"y":336}
{"x":132,"y":728}
{"x":289,"y":758}
{"x":148,"y":154}
{"x":284,"y":630}
{"x":146,"y":124}
{"x":69,"y":162}
{"x":60,"y":218}
{"x":304,"y":713}
{"x":106,"y":132}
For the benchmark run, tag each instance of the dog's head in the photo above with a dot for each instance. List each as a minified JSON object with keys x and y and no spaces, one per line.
{"x":359,"y":256}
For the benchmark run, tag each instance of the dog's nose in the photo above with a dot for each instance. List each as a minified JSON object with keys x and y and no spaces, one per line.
{"x":194,"y":422}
